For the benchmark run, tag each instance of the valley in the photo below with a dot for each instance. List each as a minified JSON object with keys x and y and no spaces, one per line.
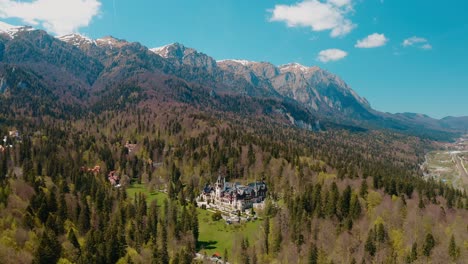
{"x":94,"y":128}
{"x":449,"y":164}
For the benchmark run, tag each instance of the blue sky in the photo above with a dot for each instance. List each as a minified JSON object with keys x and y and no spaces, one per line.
{"x":362,"y":41}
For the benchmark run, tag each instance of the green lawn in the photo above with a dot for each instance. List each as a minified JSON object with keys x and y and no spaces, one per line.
{"x":214,"y":236}
{"x":217,"y":236}
{"x":150,"y":196}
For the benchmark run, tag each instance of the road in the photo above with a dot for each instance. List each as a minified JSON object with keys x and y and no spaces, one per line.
{"x":463,"y":165}
{"x":461,"y":168}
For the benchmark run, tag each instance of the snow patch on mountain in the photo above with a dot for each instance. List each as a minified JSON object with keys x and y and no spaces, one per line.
{"x":162,"y":51}
{"x":296,"y":67}
{"x":242,"y":62}
{"x":76,"y":39}
{"x":111,"y":42}
{"x":11,"y":30}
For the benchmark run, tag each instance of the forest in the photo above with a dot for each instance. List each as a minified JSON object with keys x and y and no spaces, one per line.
{"x":334,"y":196}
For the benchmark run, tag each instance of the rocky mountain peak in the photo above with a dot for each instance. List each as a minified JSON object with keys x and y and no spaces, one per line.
{"x":12,"y":31}
{"x":236,"y":62}
{"x":312,"y":86}
{"x":296,"y":67}
{"x":181,"y":55}
{"x":174,"y":50}
{"x":77,"y":40}
{"x":98,"y":65}
{"x":111,"y":42}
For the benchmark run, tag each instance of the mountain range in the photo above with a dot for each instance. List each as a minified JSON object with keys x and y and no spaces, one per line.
{"x":43,"y":74}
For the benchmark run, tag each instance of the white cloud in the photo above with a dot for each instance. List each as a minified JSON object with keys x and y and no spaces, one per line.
{"x":340,"y":2}
{"x":413,"y":40}
{"x":426,"y":46}
{"x":56,"y":16}
{"x":372,"y":41}
{"x":318,"y":15}
{"x":331,"y":55}
{"x":419,"y":42}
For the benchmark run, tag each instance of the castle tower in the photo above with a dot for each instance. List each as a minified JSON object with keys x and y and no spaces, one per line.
{"x":219,"y":187}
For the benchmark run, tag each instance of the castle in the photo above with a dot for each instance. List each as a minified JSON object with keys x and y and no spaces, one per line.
{"x":234,"y":196}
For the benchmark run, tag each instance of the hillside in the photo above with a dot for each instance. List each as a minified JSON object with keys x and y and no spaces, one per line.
{"x":312,"y":177}
{"x":108,"y":144}
{"x":79,"y":71}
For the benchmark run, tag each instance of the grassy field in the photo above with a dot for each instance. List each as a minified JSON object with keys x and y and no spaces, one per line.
{"x":440,"y":165}
{"x":150,"y":196}
{"x":215,"y":236}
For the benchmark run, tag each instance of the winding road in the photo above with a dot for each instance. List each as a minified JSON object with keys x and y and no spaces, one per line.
{"x":461,"y":168}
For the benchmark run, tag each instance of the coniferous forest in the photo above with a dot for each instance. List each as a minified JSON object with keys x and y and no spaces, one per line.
{"x":107,"y":146}
{"x":334,"y":196}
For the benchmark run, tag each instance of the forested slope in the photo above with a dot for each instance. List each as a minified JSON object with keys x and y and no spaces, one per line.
{"x":335,"y":196}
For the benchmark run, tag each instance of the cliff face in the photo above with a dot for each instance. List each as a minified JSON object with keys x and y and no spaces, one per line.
{"x":78,"y":70}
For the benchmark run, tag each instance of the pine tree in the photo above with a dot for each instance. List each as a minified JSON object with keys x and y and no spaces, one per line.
{"x":49,"y":249}
{"x":370,"y":245}
{"x":3,"y":166}
{"x":51,"y":223}
{"x":276,"y":237}
{"x":364,"y":189}
{"x":421,"y":204}
{"x":450,"y":197}
{"x":186,"y":256}
{"x":413,"y":256}
{"x":152,"y":222}
{"x":62,"y":208}
{"x":164,"y":254}
{"x":454,"y":250}
{"x":333,"y":198}
{"x":392,"y":190}
{"x":251,"y":155}
{"x":345,"y":202}
{"x":72,"y":238}
{"x":376,"y":182}
{"x":113,"y":246}
{"x":43,"y":213}
{"x":195,"y":226}
{"x":313,"y":255}
{"x":381,"y":234}
{"x":355,"y":207}
{"x":84,"y":218}
{"x":266,"y":229}
{"x":317,"y":199}
{"x":429,"y":244}
{"x":52,"y":202}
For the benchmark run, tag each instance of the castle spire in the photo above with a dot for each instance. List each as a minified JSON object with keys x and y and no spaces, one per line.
{"x":255,"y":188}
{"x":218,"y":182}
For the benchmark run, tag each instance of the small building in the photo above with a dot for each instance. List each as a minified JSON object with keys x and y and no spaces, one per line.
{"x":114,"y":178}
{"x":130,"y":147}
{"x":95,"y":170}
{"x":13,"y":133}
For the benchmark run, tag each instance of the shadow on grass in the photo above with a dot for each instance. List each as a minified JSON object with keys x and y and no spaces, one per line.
{"x":206,"y":245}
